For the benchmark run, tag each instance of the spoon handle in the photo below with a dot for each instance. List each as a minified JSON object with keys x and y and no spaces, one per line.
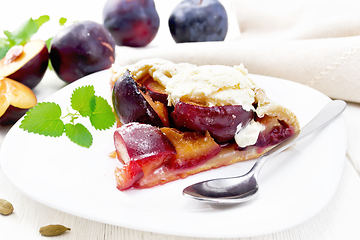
{"x":324,"y":117}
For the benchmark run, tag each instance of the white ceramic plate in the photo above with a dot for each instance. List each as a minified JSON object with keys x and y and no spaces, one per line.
{"x":294,"y":186}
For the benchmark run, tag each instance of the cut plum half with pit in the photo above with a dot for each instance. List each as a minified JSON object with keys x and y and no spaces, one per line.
{"x":15,"y":100}
{"x":219,"y":121}
{"x":26,"y":64}
{"x":132,"y":103}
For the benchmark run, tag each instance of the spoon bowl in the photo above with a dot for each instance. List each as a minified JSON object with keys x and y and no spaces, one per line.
{"x":243,"y":188}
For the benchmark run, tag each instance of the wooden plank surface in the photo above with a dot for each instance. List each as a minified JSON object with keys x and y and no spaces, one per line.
{"x":338,"y":220}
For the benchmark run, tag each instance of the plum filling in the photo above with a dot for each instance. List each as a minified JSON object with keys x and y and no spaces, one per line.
{"x":145,"y":150}
{"x":192,"y":148}
{"x":155,"y":90}
{"x":277,"y":134}
{"x":219,"y":121}
{"x":153,"y":156}
{"x":158,"y":143}
{"x":141,"y":148}
{"x":131,"y":104}
{"x":273,"y":134}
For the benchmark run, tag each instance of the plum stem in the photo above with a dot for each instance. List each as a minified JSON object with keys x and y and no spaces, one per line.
{"x":200,"y":2}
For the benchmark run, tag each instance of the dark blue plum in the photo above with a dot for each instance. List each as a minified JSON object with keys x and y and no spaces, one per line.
{"x":132,"y":23}
{"x":198,"y":21}
{"x":81,"y":49}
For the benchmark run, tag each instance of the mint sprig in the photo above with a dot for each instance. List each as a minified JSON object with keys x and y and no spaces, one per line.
{"x":46,"y":117}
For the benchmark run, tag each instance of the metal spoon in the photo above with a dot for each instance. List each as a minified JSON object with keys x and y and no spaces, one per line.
{"x":243,"y":188}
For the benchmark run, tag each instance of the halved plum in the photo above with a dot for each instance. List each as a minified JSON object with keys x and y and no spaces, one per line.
{"x":219,"y":121}
{"x":26,"y":64}
{"x":15,"y":100}
{"x":131,"y":104}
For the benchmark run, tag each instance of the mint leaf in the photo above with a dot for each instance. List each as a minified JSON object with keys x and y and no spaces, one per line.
{"x":23,"y":33}
{"x":41,"y":20}
{"x":103,"y":117}
{"x":83,"y":100}
{"x":48,"y":43}
{"x":62,"y":21}
{"x":9,"y":38}
{"x":44,"y":119}
{"x":79,"y":134}
{"x":4,"y":47}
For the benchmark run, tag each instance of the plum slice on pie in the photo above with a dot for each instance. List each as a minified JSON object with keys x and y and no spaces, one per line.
{"x":176,"y":120}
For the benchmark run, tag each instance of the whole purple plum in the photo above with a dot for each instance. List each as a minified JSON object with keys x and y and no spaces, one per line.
{"x":81,"y":49}
{"x":198,"y":21}
{"x":133,"y":23}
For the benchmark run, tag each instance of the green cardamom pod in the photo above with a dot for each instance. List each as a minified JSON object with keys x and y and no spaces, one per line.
{"x":53,"y":230}
{"x":5,"y":207}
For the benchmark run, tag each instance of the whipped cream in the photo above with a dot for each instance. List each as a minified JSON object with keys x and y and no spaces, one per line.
{"x":249,"y":134}
{"x":216,"y":85}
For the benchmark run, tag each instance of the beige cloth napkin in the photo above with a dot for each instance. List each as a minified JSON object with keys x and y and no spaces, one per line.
{"x":313,"y":42}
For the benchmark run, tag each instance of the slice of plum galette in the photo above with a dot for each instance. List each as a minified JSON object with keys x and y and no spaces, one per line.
{"x":175,"y":120}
